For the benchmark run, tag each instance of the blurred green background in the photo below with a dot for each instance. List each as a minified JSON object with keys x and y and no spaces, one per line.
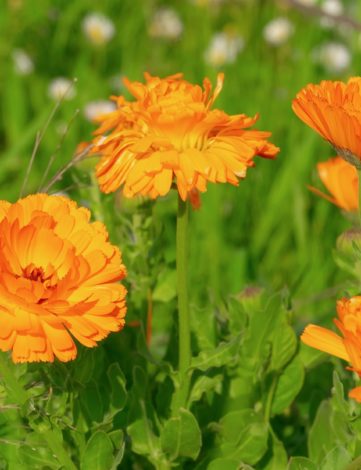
{"x":269,"y":231}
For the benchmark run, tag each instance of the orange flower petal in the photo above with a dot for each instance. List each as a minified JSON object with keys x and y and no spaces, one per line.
{"x":170,"y":133}
{"x":324,"y":340}
{"x":58,"y":279}
{"x":355,"y":393}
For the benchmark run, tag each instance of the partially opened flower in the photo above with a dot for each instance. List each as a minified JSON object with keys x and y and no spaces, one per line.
{"x":333,"y":109}
{"x":58,"y":279}
{"x":171,"y":134}
{"x":348,"y":345}
{"x":341,"y":180}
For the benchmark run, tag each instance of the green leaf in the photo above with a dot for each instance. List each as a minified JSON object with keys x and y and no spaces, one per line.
{"x":204,"y":327}
{"x":279,"y":457}
{"x":117,"y":438}
{"x":98,"y":454}
{"x":263,"y":323}
{"x":244,"y":436}
{"x":288,"y":386}
{"x":92,"y":402}
{"x":224,"y":353}
{"x":338,"y":399}
{"x":301,"y":463}
{"x":181,"y":436}
{"x":336,"y":459}
{"x":223,"y":464}
{"x":144,"y":442}
{"x":283,"y":346}
{"x":165,"y":289}
{"x":118,"y":395}
{"x":310,"y":357}
{"x":205,"y":384}
{"x":320,"y":440}
{"x":35,"y":454}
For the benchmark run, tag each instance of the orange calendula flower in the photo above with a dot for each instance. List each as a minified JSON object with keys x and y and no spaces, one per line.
{"x":333,"y":109}
{"x":58,"y":279}
{"x":341,"y":180}
{"x":169,"y":133}
{"x":347,"y":346}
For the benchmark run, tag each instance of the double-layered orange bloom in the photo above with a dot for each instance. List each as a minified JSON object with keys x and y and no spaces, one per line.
{"x":171,"y":134}
{"x":58,"y":279}
{"x":333,"y":109}
{"x":341,"y":180}
{"x":347,"y":346}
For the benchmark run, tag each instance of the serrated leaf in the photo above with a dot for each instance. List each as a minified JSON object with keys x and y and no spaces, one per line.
{"x":288,"y":386}
{"x":98,"y":454}
{"x":221,"y":355}
{"x":181,"y":436}
{"x":204,"y":384}
{"x":301,"y":463}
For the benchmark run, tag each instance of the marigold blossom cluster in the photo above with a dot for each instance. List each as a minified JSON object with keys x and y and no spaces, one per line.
{"x":170,"y":134}
{"x":59,"y":279}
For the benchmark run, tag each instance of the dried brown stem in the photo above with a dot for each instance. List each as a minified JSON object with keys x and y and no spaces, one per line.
{"x":317,"y":12}
{"x":58,"y":176}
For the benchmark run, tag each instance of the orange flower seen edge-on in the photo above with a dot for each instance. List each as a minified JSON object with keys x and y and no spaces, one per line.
{"x":333,"y":109}
{"x":169,"y":134}
{"x":59,"y":279}
{"x":341,"y":180}
{"x":347,"y":346}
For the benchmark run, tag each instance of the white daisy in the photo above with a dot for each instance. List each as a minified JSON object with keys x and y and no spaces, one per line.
{"x":61,"y":88}
{"x":278,"y":31}
{"x":166,"y":24}
{"x":98,"y":28}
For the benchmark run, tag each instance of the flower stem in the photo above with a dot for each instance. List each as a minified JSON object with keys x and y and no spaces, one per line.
{"x":184,"y":332}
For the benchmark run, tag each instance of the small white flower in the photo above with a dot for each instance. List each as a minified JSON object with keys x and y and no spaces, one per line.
{"x":22,"y":62}
{"x":223,"y":49}
{"x":97,"y":108}
{"x":333,"y":8}
{"x":166,"y":24}
{"x":278,"y":31}
{"x":61,"y":88}
{"x":98,"y":28}
{"x":333,"y":56}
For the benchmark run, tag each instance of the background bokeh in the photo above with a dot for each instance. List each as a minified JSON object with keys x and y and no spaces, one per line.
{"x":271,"y":230}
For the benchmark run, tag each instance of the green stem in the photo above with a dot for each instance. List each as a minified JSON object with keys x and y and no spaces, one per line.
{"x":359,"y":194}
{"x":184,"y":332}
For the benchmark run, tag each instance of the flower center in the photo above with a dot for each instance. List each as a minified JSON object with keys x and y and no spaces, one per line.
{"x":37,"y":274}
